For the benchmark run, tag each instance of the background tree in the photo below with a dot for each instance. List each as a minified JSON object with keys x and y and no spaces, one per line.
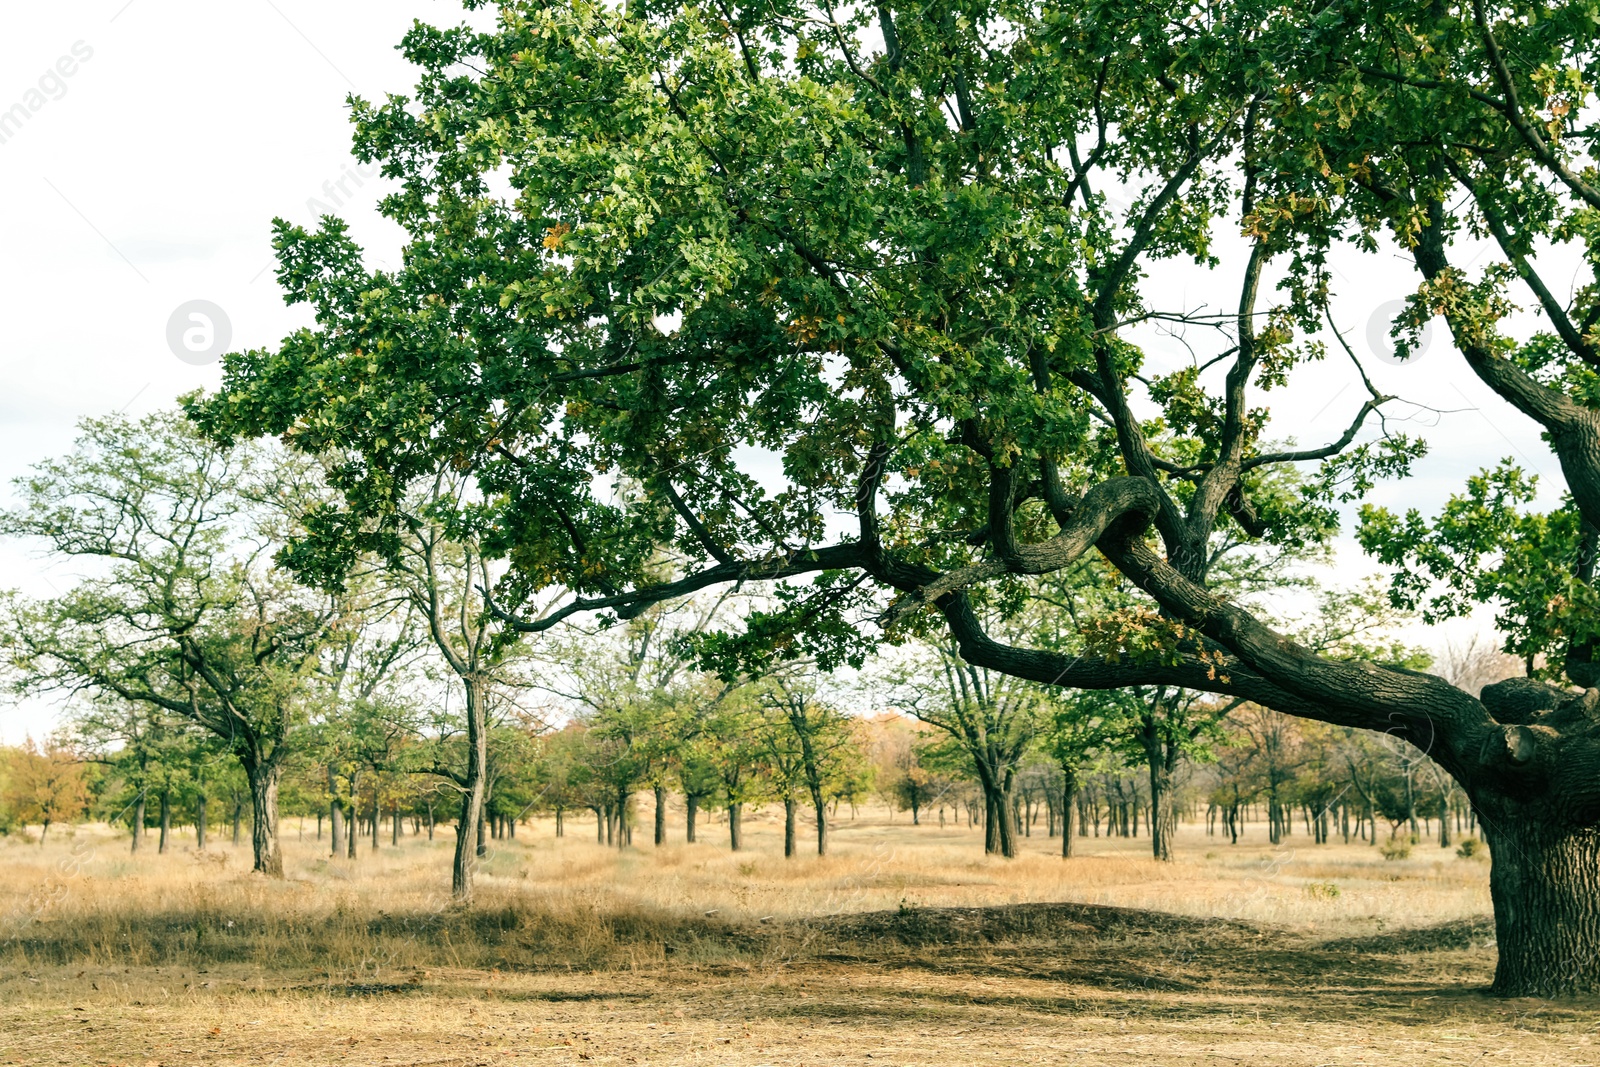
{"x":908,"y":780}
{"x":44,"y":785}
{"x":433,"y":558}
{"x":1080,"y":729}
{"x":187,"y":615}
{"x":810,"y":745}
{"x":992,"y":718}
{"x":736,"y":759}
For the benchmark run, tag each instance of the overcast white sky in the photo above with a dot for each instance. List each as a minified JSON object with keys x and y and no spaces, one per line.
{"x":148,"y":177}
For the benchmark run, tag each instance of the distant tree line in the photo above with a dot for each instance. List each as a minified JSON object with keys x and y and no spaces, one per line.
{"x":382,"y":692}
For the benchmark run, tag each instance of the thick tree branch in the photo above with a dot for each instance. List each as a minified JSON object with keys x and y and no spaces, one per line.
{"x":631,"y":604}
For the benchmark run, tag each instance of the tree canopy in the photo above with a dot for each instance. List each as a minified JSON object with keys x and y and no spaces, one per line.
{"x":865,"y":293}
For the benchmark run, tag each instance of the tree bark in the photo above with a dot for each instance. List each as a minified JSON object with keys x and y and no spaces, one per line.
{"x":138,"y":820}
{"x":1545,"y":884}
{"x":789,"y":807}
{"x":200,"y":822}
{"x":692,"y":803}
{"x":999,"y":822}
{"x":1162,"y":759}
{"x":819,"y":804}
{"x":264,"y":818}
{"x":335,"y":815}
{"x":166,"y":821}
{"x":736,"y":826}
{"x":661,"y":815}
{"x":1069,"y":789}
{"x":353,"y":826}
{"x":467,"y":833}
{"x":624,"y":838}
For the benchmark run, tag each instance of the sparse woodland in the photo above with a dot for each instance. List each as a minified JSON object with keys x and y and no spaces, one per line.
{"x":764,"y":418}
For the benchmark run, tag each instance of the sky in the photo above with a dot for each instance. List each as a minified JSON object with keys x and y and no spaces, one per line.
{"x":150,"y":143}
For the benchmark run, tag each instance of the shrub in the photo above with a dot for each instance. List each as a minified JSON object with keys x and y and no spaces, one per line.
{"x":1471,"y":848}
{"x":1397,"y":849}
{"x":1323,"y":890}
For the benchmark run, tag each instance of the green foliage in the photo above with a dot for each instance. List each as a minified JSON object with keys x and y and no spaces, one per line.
{"x":855,"y":272}
{"x":1485,"y":548}
{"x":1398,"y":848}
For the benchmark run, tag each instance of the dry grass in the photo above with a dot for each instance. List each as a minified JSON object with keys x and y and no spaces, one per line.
{"x":905,"y":944}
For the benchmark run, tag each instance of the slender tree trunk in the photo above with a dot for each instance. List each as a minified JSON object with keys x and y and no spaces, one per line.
{"x":624,"y":839}
{"x":394,"y":837}
{"x":353,"y":830}
{"x":1161,"y":758}
{"x":138,"y":820}
{"x":789,"y":807}
{"x":692,"y":802}
{"x":736,"y":826}
{"x":200,"y":821}
{"x":264,"y":818}
{"x":335,"y":815}
{"x":661,"y":815}
{"x":999,"y":823}
{"x":467,"y":841}
{"x":1411,"y":805}
{"x":376,"y":816}
{"x":819,"y":804}
{"x":1069,"y":789}
{"x":561,"y":830}
{"x":166,"y":821}
{"x":481,"y":849}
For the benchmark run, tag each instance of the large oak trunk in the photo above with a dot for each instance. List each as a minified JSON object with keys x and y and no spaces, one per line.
{"x":1545,"y":884}
{"x":264,"y":824}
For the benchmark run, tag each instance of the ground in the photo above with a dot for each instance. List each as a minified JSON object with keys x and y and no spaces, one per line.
{"x":905,"y":946}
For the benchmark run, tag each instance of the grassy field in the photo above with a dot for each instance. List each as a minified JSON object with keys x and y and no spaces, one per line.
{"x":904,"y":946}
